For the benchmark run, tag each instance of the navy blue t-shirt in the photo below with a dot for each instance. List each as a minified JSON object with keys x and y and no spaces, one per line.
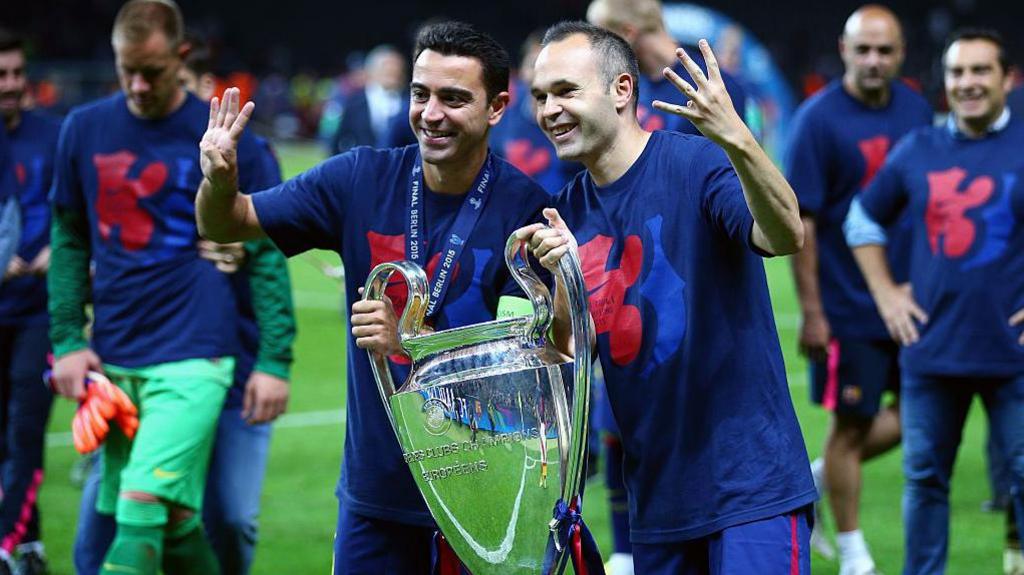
{"x":155,"y":300}
{"x":519,"y":139}
{"x":355,"y":204}
{"x":248,"y":329}
{"x":33,"y":144}
{"x":966,"y":203}
{"x":1015,"y":101}
{"x":687,"y":341}
{"x":836,"y":147}
{"x":661,"y":89}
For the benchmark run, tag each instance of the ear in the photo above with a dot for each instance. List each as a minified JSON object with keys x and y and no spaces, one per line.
{"x":623,"y":89}
{"x":496,"y":108}
{"x":183,"y":49}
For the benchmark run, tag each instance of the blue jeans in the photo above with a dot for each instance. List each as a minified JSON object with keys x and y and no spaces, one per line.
{"x":230,"y":506}
{"x":24,"y":410}
{"x":933,"y":411}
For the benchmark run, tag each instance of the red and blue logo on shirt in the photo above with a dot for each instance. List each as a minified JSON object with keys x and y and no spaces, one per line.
{"x":953,"y":232}
{"x":117,"y":202}
{"x":615,"y":296}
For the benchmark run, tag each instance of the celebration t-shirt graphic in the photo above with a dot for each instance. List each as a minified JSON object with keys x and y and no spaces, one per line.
{"x":118,"y":197}
{"x":965,"y":203}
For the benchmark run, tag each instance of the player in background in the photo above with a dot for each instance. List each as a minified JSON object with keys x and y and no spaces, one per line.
{"x":367,"y":205}
{"x":640,"y":22}
{"x":520,"y":140}
{"x":840,"y":138}
{"x":23,"y":320}
{"x":671,"y":230}
{"x":959,"y":321}
{"x":165,"y":318}
{"x":266,"y":330}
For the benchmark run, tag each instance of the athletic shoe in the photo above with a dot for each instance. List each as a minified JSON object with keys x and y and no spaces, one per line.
{"x":31,"y":563}
{"x":619,"y":564}
{"x":1013,"y":562}
{"x":819,"y":539}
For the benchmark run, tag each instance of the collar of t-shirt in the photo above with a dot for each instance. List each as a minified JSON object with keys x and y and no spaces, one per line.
{"x":998,"y":126}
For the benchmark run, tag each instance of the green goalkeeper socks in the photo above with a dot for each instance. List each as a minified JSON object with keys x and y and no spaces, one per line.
{"x":187,"y":551}
{"x":139,"y":541}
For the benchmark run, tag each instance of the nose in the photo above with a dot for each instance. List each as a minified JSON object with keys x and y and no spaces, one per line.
{"x":432,"y":111}
{"x":551,"y":108}
{"x":137,"y":84}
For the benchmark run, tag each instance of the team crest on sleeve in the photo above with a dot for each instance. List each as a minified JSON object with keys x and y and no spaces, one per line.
{"x":117,"y":202}
{"x":968,"y":216}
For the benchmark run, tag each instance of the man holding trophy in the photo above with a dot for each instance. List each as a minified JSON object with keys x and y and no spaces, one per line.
{"x":447,"y":205}
{"x":670,"y":230}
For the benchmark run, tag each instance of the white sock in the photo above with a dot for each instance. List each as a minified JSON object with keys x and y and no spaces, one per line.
{"x":818,"y":473}
{"x":853,"y":552}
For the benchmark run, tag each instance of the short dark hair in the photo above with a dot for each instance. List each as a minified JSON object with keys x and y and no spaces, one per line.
{"x":987,"y":34}
{"x":460,"y":39}
{"x":199,"y":59}
{"x":138,"y":19}
{"x":10,"y":40}
{"x":614,"y":55}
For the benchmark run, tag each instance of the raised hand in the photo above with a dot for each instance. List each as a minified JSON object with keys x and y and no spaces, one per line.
{"x":708,"y":104}
{"x":219,"y":146}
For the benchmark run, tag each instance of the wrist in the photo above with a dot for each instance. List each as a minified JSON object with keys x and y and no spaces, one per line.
{"x":739,"y":141}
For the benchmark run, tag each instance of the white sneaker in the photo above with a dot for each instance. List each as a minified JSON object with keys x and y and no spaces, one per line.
{"x":619,"y":564}
{"x":1013,"y":562}
{"x":819,"y":539}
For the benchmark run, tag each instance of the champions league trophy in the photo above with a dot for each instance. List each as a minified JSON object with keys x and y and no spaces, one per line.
{"x":492,"y":421}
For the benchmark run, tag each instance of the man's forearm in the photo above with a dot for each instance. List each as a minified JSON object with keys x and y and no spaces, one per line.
{"x":873,"y":263}
{"x":771,"y":200}
{"x":805,"y":271}
{"x":224,"y":216}
{"x":68,"y":281}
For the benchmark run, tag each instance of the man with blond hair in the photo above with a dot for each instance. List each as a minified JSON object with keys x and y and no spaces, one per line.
{"x":165,"y":328}
{"x":640,"y":22}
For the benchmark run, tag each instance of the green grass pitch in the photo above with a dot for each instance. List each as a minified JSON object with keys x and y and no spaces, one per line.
{"x":299,"y":508}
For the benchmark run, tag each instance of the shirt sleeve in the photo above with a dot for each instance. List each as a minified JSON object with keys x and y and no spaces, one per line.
{"x":271,"y":291}
{"x":68,"y":280}
{"x":886,"y":196}
{"x":66,"y":188}
{"x":806,"y":165}
{"x":307,"y":212}
{"x":724,"y":203}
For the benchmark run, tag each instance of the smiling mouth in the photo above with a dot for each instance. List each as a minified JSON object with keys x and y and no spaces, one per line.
{"x":562,"y":131}
{"x":435,"y":135}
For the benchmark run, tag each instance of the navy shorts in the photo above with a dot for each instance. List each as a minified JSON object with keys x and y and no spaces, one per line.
{"x":774,"y":546}
{"x":855,"y":376}
{"x":371,"y":546}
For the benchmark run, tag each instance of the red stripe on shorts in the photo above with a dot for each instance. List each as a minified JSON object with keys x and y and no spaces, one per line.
{"x":794,"y":557}
{"x":831,"y":397}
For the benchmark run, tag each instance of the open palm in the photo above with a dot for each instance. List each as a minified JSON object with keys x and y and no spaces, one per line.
{"x":219,"y":146}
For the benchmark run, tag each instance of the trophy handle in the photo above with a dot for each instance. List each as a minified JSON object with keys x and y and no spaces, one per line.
{"x":409,"y":323}
{"x":535,"y":290}
{"x":570,"y":274}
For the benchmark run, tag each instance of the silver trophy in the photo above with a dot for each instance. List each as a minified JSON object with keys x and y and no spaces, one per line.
{"x":492,"y":419}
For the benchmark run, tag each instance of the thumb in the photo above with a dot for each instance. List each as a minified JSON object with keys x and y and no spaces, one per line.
{"x":248,"y":400}
{"x":555,"y":219}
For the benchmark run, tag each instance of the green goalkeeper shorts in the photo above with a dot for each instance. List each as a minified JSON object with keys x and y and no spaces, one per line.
{"x":179,"y":403}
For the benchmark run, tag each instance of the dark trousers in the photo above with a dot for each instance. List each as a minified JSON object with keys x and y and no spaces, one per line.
{"x":24,"y":410}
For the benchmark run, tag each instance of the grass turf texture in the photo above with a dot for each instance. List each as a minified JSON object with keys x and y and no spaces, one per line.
{"x":299,"y":508}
